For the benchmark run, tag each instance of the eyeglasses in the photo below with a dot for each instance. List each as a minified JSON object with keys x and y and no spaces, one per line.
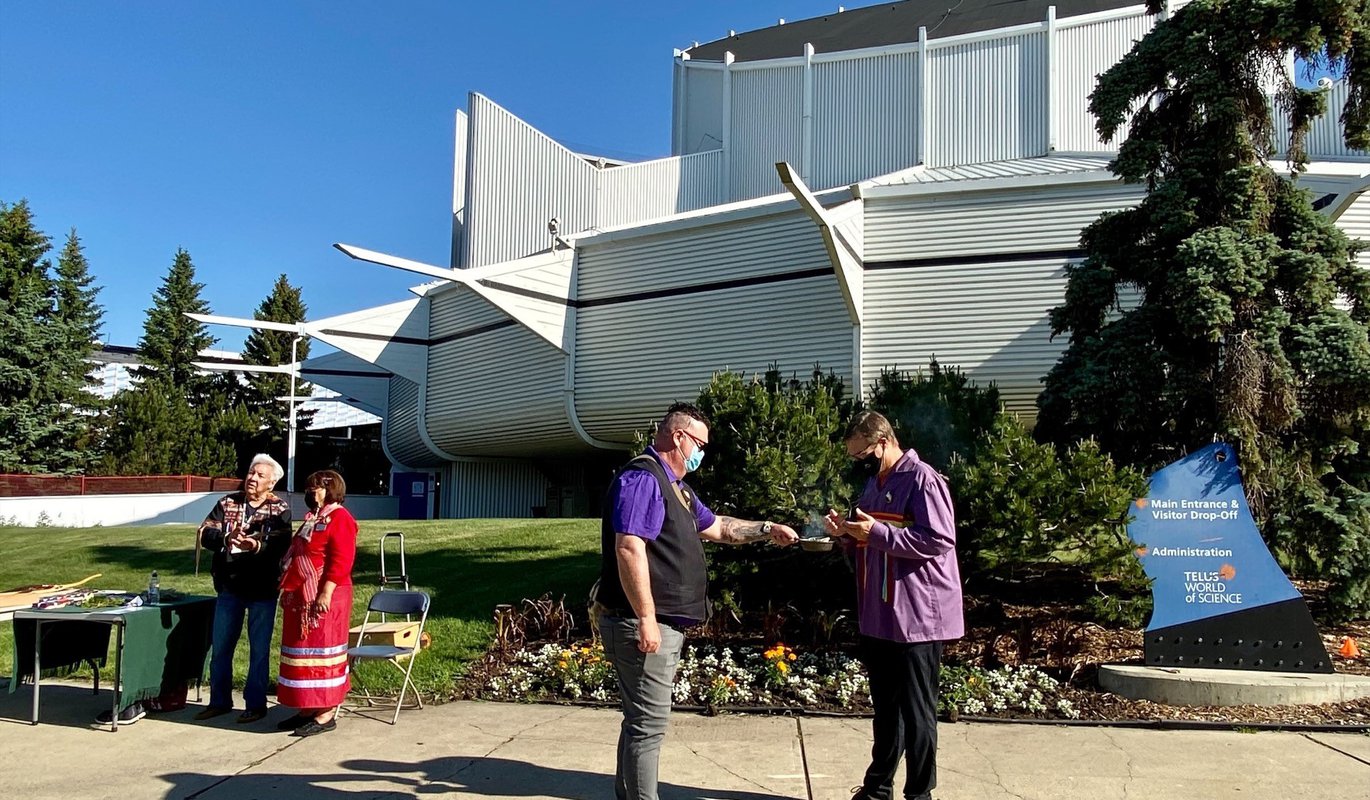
{"x":862,"y":454}
{"x":700,"y":443}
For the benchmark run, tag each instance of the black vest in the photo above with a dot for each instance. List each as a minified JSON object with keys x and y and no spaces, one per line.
{"x":675,"y":559}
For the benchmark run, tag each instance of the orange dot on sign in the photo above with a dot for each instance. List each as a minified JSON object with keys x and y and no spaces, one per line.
{"x":1142,"y":502}
{"x":1227,"y":572}
{"x":1141,"y":551}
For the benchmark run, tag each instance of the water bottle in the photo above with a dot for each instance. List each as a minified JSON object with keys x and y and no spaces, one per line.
{"x":154,"y":594}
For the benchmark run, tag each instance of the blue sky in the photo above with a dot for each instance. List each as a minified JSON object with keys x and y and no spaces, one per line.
{"x":256,"y":134}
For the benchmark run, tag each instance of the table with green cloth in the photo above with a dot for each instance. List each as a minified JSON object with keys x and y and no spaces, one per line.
{"x":157,"y":646}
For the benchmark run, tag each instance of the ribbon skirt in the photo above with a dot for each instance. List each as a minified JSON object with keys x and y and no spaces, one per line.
{"x":314,"y":670}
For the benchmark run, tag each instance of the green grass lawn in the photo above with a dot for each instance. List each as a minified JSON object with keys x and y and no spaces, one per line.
{"x":468,"y":566}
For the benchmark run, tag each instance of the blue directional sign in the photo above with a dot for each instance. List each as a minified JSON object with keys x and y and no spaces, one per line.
{"x":1219,"y":598}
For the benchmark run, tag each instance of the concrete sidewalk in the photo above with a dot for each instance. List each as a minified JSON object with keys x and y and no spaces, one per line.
{"x":499,"y":750}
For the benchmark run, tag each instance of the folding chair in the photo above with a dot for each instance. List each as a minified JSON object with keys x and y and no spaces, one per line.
{"x":392,"y":602}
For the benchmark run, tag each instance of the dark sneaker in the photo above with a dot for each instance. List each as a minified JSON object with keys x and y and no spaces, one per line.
{"x":251,"y":715}
{"x":314,"y":728}
{"x":128,"y":716}
{"x":210,"y":712}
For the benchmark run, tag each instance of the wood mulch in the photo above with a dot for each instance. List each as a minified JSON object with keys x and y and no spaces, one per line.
{"x":1056,"y":638}
{"x":1059,"y":638}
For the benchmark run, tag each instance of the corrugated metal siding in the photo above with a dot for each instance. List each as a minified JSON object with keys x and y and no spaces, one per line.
{"x":1325,"y":138}
{"x":767,"y":126}
{"x":635,"y":358}
{"x":1028,"y":220}
{"x":492,"y":489}
{"x":1355,"y":221}
{"x":762,"y":246}
{"x":1016,"y":168}
{"x":703,"y":110}
{"x":659,"y":188}
{"x":1082,"y":52}
{"x":991,"y":320}
{"x":519,"y":180}
{"x":494,"y":387}
{"x":865,"y":118}
{"x":402,"y":426}
{"x":987,"y":100}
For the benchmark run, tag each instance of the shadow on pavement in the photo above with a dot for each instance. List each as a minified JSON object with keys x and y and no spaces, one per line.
{"x":490,"y":777}
{"x":72,"y":705}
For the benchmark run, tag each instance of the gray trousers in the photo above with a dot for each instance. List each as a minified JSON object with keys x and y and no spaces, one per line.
{"x":644,"y":684}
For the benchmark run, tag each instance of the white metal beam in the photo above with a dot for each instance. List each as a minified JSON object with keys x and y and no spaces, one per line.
{"x":240,"y":322}
{"x":215,"y":366}
{"x":846,"y":265}
{"x":362,"y":254}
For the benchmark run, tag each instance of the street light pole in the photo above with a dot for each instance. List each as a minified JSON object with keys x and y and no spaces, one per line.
{"x":290,"y":439}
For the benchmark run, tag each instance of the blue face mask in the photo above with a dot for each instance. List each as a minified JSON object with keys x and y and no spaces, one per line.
{"x":696,"y":458}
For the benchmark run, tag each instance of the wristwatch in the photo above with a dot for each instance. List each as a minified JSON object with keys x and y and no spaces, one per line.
{"x":766,"y":528}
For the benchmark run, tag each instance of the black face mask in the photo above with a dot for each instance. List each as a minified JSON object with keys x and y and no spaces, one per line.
{"x":868,"y":466}
{"x":309,"y":501}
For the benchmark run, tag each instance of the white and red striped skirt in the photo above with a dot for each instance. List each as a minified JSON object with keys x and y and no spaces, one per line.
{"x":314,"y":670}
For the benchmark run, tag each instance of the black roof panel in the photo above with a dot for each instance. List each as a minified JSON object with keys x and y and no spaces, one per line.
{"x":892,"y":23}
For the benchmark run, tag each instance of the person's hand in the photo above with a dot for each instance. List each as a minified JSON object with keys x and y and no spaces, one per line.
{"x":783,"y":535}
{"x":323,"y":601}
{"x":648,"y":635}
{"x":833,"y":522}
{"x":859,"y":528}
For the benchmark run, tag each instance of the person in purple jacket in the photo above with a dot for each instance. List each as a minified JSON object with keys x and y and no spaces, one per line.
{"x":902,"y":540}
{"x":653,"y":581}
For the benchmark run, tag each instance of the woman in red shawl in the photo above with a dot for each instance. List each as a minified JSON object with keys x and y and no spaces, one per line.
{"x":316,"y":606}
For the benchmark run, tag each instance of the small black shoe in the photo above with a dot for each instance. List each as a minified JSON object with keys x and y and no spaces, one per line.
{"x":314,"y":728}
{"x":292,"y":723}
{"x":128,"y":716}
{"x":251,"y":715}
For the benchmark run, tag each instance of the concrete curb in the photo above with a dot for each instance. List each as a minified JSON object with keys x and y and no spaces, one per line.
{"x":1221,"y":687}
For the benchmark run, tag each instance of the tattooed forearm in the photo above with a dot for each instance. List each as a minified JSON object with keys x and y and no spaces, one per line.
{"x":739,"y":531}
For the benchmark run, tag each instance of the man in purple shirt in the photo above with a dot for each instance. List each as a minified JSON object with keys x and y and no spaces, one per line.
{"x":902,"y":540}
{"x":653,"y":581}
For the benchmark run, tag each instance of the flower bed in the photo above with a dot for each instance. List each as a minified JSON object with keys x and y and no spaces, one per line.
{"x":716,"y":677}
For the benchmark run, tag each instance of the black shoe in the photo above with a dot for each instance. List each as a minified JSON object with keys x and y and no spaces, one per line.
{"x":210,"y":712}
{"x":314,"y":727}
{"x":251,"y":715}
{"x":128,"y":716}
{"x":293,"y":723}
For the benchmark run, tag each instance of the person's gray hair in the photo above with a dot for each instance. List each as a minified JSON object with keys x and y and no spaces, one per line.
{"x":277,"y":472}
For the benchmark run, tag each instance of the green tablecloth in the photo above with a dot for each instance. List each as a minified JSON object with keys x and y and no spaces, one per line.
{"x":164,"y":645}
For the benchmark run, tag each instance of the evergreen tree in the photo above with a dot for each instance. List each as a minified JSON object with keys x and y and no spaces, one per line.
{"x":273,"y":348}
{"x":154,"y":430}
{"x":1253,"y":320}
{"x":32,"y":427}
{"x":78,"y":317}
{"x":172,"y":341}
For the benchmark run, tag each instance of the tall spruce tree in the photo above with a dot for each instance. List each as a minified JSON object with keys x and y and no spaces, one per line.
{"x":172,"y":341}
{"x":1252,"y":324}
{"x":32,"y":424}
{"x":177,"y":420}
{"x":78,"y":315}
{"x":273,"y":348}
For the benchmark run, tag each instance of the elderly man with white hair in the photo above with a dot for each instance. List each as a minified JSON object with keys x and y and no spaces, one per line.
{"x":249,"y":534}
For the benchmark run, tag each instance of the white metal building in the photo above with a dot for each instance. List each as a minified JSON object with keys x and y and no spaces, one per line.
{"x":938,"y":168}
